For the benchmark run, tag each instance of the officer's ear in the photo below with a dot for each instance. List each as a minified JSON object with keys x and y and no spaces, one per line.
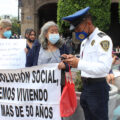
{"x":89,"y":22}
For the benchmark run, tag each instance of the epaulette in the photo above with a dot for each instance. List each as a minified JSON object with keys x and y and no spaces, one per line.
{"x":101,"y":34}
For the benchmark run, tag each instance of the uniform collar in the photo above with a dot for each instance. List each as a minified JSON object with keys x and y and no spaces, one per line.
{"x":93,"y":33}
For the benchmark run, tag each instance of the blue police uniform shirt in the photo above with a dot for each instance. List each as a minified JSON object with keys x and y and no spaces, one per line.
{"x":96,"y":55}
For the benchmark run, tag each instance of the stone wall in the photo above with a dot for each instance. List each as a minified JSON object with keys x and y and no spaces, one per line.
{"x":29,"y":14}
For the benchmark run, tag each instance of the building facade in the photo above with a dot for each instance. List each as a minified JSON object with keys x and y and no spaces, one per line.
{"x":36,"y":12}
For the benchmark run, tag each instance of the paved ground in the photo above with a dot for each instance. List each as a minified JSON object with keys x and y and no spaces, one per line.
{"x":78,"y":115}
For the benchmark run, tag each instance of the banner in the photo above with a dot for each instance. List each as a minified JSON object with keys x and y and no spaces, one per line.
{"x":30,"y":93}
{"x":12,"y":53}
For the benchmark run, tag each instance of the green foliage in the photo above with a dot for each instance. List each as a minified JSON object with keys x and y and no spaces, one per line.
{"x":15,"y":25}
{"x":78,"y":82}
{"x":100,"y":10}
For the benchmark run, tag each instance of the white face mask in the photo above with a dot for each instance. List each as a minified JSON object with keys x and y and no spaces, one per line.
{"x":54,"y":38}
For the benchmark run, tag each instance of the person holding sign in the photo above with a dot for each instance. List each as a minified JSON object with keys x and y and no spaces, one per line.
{"x":48,"y":48}
{"x":5,"y":29}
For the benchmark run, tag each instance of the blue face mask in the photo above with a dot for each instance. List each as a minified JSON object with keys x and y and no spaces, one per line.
{"x":81,"y":35}
{"x":7,"y":34}
{"x":54,"y":38}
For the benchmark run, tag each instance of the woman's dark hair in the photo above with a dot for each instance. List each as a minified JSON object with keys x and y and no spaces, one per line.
{"x":27,"y":32}
{"x":31,"y":30}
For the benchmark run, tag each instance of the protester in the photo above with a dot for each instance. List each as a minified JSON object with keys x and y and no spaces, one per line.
{"x":15,"y":36}
{"x":95,"y":63}
{"x":5,"y":29}
{"x":69,"y":44}
{"x":48,"y":48}
{"x":27,"y":32}
{"x":110,"y":77}
{"x":31,"y":37}
{"x":118,"y":49}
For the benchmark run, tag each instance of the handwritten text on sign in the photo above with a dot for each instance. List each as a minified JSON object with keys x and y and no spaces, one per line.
{"x":30,"y":93}
{"x":12,"y":53}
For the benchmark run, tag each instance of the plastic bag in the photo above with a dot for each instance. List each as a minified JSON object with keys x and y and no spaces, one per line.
{"x":68,"y":102}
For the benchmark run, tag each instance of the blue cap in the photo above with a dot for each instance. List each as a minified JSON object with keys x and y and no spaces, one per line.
{"x":77,"y":17}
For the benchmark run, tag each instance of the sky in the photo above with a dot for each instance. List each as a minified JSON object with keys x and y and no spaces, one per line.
{"x":9,"y":7}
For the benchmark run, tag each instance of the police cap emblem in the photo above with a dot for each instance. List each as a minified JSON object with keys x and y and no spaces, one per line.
{"x":105,"y":45}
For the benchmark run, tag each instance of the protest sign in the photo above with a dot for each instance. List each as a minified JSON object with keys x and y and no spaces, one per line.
{"x":30,"y":93}
{"x":12,"y":53}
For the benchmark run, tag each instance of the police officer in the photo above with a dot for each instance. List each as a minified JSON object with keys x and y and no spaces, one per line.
{"x":95,"y":62}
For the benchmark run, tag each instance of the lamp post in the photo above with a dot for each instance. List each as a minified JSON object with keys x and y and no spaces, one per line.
{"x":18,"y":18}
{"x":19,"y":5}
{"x":18,"y":9}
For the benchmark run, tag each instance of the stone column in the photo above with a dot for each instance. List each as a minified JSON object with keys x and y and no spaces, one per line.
{"x":36,"y":23}
{"x":27,"y":15}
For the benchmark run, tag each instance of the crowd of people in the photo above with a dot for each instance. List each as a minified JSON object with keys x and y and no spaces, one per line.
{"x":95,"y":58}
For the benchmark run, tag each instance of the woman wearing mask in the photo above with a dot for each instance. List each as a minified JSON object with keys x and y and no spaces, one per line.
{"x":5,"y":29}
{"x":48,"y":48}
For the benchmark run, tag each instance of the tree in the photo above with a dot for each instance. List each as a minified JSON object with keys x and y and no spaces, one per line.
{"x":100,"y":10}
{"x":15,"y":26}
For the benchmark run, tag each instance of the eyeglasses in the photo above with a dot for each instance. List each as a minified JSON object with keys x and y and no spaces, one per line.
{"x":32,"y":34}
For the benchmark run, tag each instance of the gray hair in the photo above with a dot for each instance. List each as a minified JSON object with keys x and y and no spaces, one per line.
{"x":5,"y":23}
{"x":42,"y":38}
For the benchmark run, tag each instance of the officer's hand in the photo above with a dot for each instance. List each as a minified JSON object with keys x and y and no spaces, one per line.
{"x":61,"y":65}
{"x":73,"y":61}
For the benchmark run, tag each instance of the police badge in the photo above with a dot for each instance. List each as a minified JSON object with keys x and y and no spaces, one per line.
{"x":105,"y":45}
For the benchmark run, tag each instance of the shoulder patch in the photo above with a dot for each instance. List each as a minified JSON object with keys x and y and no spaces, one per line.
{"x":105,"y":44}
{"x":93,"y":42}
{"x":101,"y":34}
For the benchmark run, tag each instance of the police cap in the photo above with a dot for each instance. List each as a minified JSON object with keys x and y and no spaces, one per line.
{"x":77,"y":17}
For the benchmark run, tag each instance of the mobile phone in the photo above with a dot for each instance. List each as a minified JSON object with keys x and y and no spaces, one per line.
{"x":62,"y":58}
{"x":77,"y":56}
